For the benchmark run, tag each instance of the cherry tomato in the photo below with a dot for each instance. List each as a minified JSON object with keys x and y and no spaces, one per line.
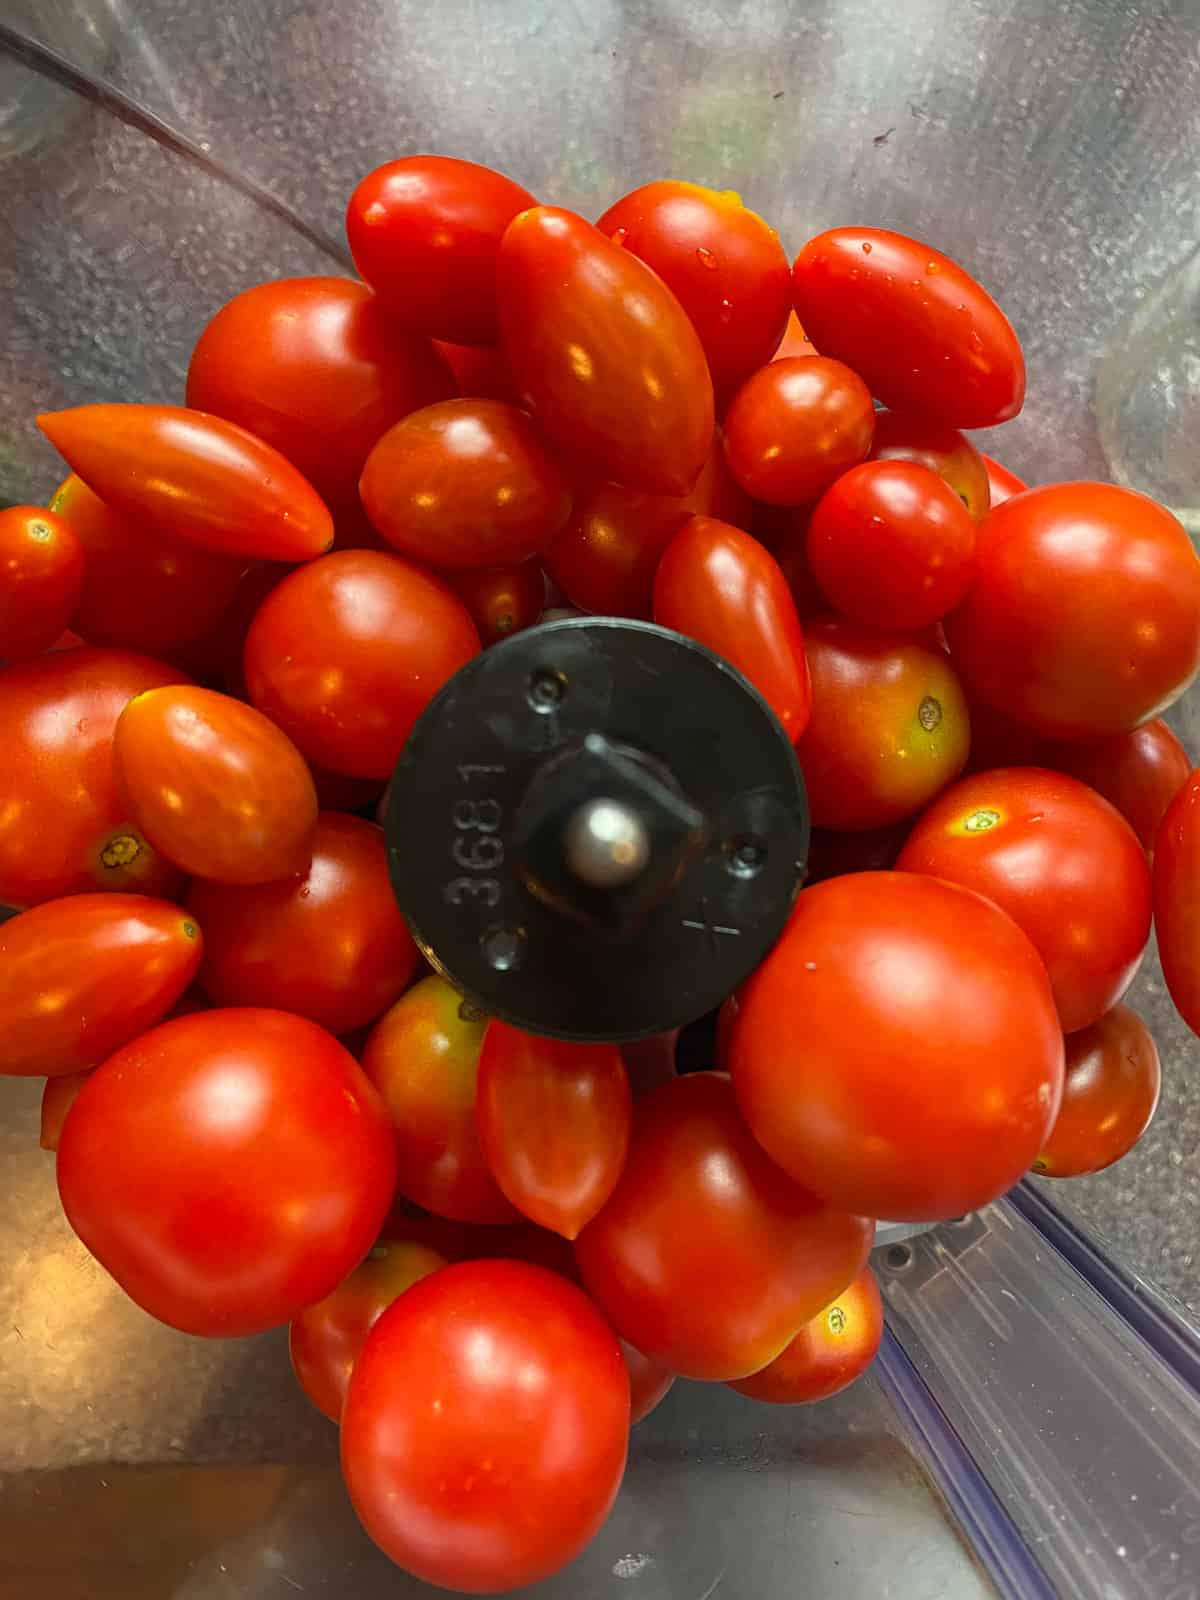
{"x":485,"y":1431}
{"x":214,"y":786}
{"x":1110,"y":1093}
{"x":649,"y":1381}
{"x":1002,"y":484}
{"x":708,"y":1258}
{"x":466,"y":483}
{"x":718,"y":585}
{"x":606,"y":557}
{"x":1176,"y":902}
{"x":64,"y":828}
{"x":1062,"y":862}
{"x":329,"y":944}
{"x":201,"y":478}
{"x":347,"y":652}
{"x":921,"y":331}
{"x":501,"y":600}
{"x":425,"y":232}
{"x":828,"y":1353}
{"x":228,"y":1169}
{"x":480,"y":371}
{"x":316,"y":368}
{"x":325,"y":1340}
{"x":606,"y":354}
{"x":553,"y":1122}
{"x":898,"y":1052}
{"x":889,"y":725}
{"x":41,"y":574}
{"x":423,"y":1057}
{"x":1084,"y":616}
{"x":891,"y":545}
{"x":58,"y":1096}
{"x":722,"y":262}
{"x":908,"y":436}
{"x":82,"y":976}
{"x":796,"y":425}
{"x":1140,"y":772}
{"x":795,"y":341}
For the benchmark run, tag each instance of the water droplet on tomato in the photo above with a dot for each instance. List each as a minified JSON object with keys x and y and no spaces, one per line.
{"x":866,"y":247}
{"x":619,"y":236}
{"x":706,"y":258}
{"x":932,"y":267}
{"x":726,"y":310}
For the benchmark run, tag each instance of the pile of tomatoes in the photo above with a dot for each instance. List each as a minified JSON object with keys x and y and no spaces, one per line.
{"x":496,"y":1250}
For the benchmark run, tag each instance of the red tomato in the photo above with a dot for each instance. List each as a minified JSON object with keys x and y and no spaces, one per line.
{"x":605,"y":352}
{"x":64,"y":828}
{"x":501,"y":600}
{"x":796,"y":425}
{"x":891,"y":545}
{"x":795,"y":341}
{"x":921,"y":331}
{"x":718,"y":585}
{"x":347,"y":652}
{"x":1084,"y":616}
{"x":425,"y":232}
{"x":326,"y":1339}
{"x":329,"y":944}
{"x":228,"y":1169}
{"x":828,"y":1353}
{"x":423,"y":1057}
{"x":708,"y":1258}
{"x":1176,"y":901}
{"x":467,"y":483}
{"x":41,"y":573}
{"x":1002,"y":484}
{"x":649,"y":1381}
{"x":199,"y":477}
{"x":553,"y":1121}
{"x":1110,"y":1093}
{"x":142,"y":590}
{"x":606,"y":557}
{"x":889,"y":725}
{"x":82,"y":976}
{"x":1062,"y":862}
{"x":722,"y":262}
{"x":1140,"y":772}
{"x":898,"y":1052}
{"x":480,"y":371}
{"x":485,"y":1431}
{"x":214,"y":786}
{"x":316,"y":368}
{"x":908,"y":436}
{"x":58,"y":1096}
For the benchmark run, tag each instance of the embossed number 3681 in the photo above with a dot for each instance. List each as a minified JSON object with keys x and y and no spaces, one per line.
{"x":477,"y":849}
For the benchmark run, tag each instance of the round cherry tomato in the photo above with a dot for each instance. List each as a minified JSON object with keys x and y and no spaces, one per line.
{"x":1110,"y":1093}
{"x":606,"y":557}
{"x":828,"y":1353}
{"x":795,"y":341}
{"x":423,"y":1057}
{"x":722,"y":262}
{"x":605,"y":352}
{"x":64,"y":828}
{"x":325,"y":1340}
{"x":41,"y":574}
{"x":466,"y":483}
{"x":228,"y":1169}
{"x":718,"y":585}
{"x":898,"y":1052}
{"x":889,"y":725}
{"x":921,"y":331}
{"x":891,"y":545}
{"x":425,"y":232}
{"x":348,"y":651}
{"x":143,"y":590}
{"x":1176,"y":902}
{"x":1002,"y":484}
{"x":485,"y":1431}
{"x":214,"y":785}
{"x":501,"y":600}
{"x":82,"y":976}
{"x":553,"y":1121}
{"x":907,"y":436}
{"x":1062,"y":862}
{"x":708,"y":1258}
{"x":1140,"y":772}
{"x":329,"y":944}
{"x":1084,"y":616}
{"x":316,"y":368}
{"x":796,"y":425}
{"x":198,"y":477}
{"x":480,"y":371}
{"x":58,"y":1096}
